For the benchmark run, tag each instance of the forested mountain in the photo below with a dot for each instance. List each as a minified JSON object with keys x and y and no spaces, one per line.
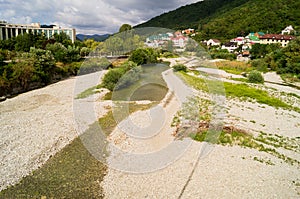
{"x":229,"y":18}
{"x":96,"y":37}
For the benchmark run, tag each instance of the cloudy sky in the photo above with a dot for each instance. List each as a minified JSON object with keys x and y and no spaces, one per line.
{"x":87,"y":16}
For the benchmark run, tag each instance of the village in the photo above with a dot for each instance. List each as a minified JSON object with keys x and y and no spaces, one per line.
{"x":240,"y":46}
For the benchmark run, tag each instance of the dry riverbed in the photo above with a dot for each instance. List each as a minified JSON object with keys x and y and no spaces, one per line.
{"x":38,"y":124}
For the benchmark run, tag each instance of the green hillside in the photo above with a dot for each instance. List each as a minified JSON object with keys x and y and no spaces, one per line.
{"x":229,"y":18}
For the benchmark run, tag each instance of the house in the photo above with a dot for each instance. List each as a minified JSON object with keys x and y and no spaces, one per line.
{"x":254,"y":37}
{"x":288,"y":30}
{"x":239,"y":40}
{"x":230,"y":46}
{"x":158,"y":40}
{"x":178,"y":34}
{"x":276,"y":38}
{"x":188,"y":31}
{"x":247,"y":46}
{"x":213,"y":42}
{"x":179,"y":41}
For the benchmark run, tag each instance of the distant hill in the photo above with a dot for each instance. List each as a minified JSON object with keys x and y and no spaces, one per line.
{"x":229,"y":18}
{"x":96,"y":37}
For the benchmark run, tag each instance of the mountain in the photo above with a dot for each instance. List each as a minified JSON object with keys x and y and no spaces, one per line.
{"x":96,"y":37}
{"x":225,"y":19}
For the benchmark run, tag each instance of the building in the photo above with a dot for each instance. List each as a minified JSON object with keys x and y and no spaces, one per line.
{"x":179,"y":41}
{"x":188,"y":31}
{"x":288,"y":30}
{"x":239,"y":40}
{"x":230,"y":46}
{"x":213,"y":42}
{"x":276,"y":38}
{"x":8,"y":30}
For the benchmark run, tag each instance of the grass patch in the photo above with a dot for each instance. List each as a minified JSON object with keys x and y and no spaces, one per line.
{"x":234,"y":67}
{"x":71,"y":173}
{"x":242,"y":91}
{"x":88,"y":92}
{"x":240,"y":79}
{"x":261,"y":143}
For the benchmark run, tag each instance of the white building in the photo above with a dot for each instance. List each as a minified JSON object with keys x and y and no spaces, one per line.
{"x":275,"y":38}
{"x":213,"y":42}
{"x":8,"y":30}
{"x":288,"y":30}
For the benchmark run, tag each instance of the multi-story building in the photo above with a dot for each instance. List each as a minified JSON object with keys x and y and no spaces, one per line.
{"x":8,"y":30}
{"x":276,"y":38}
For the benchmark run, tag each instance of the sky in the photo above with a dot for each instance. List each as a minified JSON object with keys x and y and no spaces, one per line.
{"x":86,"y":16}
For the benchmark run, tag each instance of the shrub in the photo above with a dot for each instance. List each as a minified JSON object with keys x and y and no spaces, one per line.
{"x":260,"y":65}
{"x":255,"y":77}
{"x":111,"y":78}
{"x":144,"y":56}
{"x":93,"y":65}
{"x":180,"y":67}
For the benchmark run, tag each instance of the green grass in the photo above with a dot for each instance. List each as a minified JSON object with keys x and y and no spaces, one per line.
{"x":240,"y":79}
{"x":73,"y":172}
{"x":242,"y":91}
{"x":88,"y":92}
{"x":234,"y":67}
{"x":261,"y":143}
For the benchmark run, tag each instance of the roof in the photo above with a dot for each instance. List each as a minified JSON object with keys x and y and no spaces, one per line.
{"x":278,"y":37}
{"x":253,"y":38}
{"x":230,"y":44}
{"x":215,"y":40}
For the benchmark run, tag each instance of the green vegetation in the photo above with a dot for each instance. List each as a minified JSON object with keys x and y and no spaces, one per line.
{"x":225,"y":19}
{"x":121,"y":77}
{"x":222,"y":54}
{"x":234,"y":67}
{"x":255,"y":77}
{"x":125,"y":27}
{"x":94,"y":64}
{"x":88,"y":92}
{"x":260,"y":143}
{"x":144,"y":56}
{"x":179,"y":67}
{"x":241,"y":91}
{"x":32,"y":61}
{"x":71,"y":173}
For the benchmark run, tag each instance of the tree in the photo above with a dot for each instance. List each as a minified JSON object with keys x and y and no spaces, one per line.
{"x":144,"y":56}
{"x":62,"y":38}
{"x":58,"y":50}
{"x":44,"y":64}
{"x":23,"y":73}
{"x":125,"y":27}
{"x":84,"y":51}
{"x":24,"y":42}
{"x":255,"y":77}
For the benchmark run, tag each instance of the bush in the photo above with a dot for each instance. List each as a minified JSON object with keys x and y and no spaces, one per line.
{"x":112,"y":78}
{"x":260,"y":65}
{"x":180,"y":67}
{"x":93,"y":65}
{"x":255,"y":77}
{"x":144,"y":56}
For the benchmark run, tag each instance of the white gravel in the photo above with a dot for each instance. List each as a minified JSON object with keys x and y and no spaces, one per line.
{"x":226,"y":172}
{"x":36,"y":125}
{"x":39,"y":123}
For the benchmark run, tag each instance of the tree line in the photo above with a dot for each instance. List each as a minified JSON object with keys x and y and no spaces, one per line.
{"x":31,"y":61}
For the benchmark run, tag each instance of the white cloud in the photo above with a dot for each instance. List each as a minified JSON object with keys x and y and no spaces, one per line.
{"x":89,"y":16}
